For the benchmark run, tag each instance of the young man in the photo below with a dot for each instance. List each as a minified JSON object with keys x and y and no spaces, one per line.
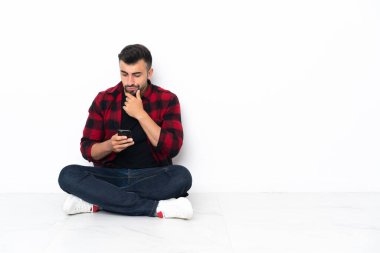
{"x":133,"y":175}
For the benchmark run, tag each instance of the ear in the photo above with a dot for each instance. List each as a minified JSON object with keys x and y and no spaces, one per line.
{"x":150,"y":73}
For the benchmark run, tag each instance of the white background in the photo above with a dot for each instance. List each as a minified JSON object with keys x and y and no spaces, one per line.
{"x":275,"y":95}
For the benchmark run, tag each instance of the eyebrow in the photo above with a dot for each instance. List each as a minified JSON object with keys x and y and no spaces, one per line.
{"x":134,"y":73}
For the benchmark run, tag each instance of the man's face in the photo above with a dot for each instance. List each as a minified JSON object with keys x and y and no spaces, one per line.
{"x":134,"y":76}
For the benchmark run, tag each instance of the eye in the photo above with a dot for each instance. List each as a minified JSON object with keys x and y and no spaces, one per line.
{"x":137,"y":75}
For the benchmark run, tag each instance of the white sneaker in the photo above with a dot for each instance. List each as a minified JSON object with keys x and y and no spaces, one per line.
{"x":74,"y":205}
{"x":175,"y":208}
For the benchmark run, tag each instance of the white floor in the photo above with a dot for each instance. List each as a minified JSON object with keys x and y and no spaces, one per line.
{"x":232,"y":222}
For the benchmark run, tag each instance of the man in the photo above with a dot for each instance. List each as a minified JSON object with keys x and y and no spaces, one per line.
{"x":132,"y":175}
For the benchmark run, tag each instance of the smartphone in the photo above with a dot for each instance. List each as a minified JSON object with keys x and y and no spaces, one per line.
{"x":124,"y":132}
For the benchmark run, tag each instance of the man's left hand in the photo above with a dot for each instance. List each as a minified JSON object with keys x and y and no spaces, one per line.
{"x":133,"y":106}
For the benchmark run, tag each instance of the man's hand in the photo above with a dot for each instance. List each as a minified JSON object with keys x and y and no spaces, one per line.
{"x":119,"y":143}
{"x":133,"y":106}
{"x":115,"y":144}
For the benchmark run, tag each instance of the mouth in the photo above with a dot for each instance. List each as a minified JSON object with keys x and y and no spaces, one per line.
{"x":131,"y":89}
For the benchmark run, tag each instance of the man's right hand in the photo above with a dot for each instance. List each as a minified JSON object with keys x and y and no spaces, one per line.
{"x":115,"y":144}
{"x":119,"y":143}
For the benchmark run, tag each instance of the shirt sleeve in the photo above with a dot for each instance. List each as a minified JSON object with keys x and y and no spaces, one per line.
{"x":171,"y":135}
{"x":93,"y":131}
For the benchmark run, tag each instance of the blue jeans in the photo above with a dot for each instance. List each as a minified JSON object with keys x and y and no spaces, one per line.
{"x":126,"y":191}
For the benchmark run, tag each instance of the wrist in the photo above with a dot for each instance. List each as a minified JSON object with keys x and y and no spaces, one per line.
{"x":142,"y":116}
{"x":108,"y":145}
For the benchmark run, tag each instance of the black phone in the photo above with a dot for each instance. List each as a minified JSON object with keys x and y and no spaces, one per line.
{"x":124,"y":132}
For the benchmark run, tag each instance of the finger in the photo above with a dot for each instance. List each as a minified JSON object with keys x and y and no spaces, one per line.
{"x":123,"y":146}
{"x":121,"y":138}
{"x":138,"y":95}
{"x":130,"y":144}
{"x":127,"y":141}
{"x":120,"y":147}
{"x":129,"y":96}
{"x":114,"y":136}
{"x":124,"y":141}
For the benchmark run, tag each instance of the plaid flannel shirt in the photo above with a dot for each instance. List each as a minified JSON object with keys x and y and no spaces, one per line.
{"x":104,"y":120}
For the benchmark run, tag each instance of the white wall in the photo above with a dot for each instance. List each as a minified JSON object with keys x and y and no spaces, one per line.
{"x":276,"y":95}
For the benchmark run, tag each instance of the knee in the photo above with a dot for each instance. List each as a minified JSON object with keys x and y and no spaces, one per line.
{"x":183,"y":178}
{"x":66,"y":176}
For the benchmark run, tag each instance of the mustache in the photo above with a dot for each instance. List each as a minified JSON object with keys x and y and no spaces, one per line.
{"x":131,"y":86}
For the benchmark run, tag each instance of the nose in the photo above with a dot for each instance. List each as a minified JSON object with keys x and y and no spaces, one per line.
{"x":130,"y":80}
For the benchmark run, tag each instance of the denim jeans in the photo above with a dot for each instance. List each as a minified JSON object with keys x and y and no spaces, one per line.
{"x":126,"y":191}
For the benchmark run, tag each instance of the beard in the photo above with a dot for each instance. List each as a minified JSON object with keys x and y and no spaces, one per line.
{"x":135,"y":88}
